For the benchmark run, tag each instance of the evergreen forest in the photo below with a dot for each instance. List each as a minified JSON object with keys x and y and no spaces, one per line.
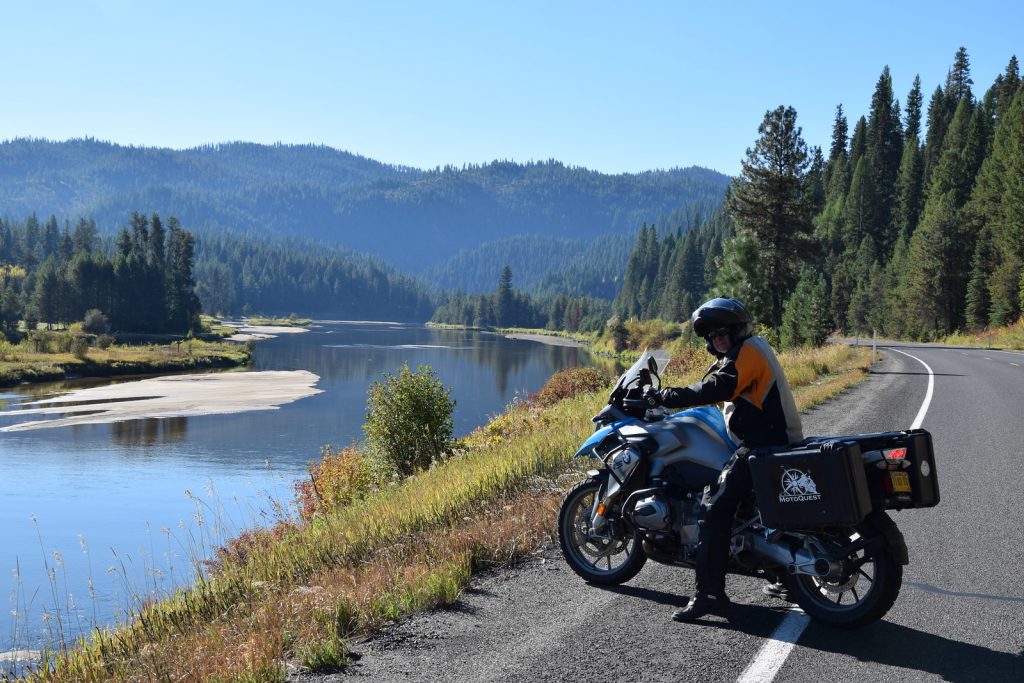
{"x":911,"y":224}
{"x":141,"y":282}
{"x":253,"y":274}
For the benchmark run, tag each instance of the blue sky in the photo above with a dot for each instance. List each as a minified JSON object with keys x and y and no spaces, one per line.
{"x":613,"y":86}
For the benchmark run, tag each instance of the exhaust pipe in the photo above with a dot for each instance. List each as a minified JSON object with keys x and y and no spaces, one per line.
{"x":800,"y":562}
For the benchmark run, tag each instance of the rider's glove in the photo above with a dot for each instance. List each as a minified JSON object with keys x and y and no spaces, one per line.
{"x":652,"y":398}
{"x":667,"y":396}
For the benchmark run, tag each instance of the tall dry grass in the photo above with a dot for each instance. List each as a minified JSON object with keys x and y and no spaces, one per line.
{"x":1009,"y":337}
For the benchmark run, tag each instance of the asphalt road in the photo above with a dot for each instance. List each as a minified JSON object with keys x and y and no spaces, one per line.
{"x":959,"y":617}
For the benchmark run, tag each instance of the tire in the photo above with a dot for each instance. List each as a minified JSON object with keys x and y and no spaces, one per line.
{"x":603,"y":561}
{"x":863,"y":594}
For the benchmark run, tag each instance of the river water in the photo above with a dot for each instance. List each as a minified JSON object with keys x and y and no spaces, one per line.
{"x":96,"y":517}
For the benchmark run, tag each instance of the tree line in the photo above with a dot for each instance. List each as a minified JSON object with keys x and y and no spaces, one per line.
{"x":314,"y":192}
{"x":53,"y":274}
{"x":252,"y":273}
{"x":911,"y":236}
{"x":509,"y":307}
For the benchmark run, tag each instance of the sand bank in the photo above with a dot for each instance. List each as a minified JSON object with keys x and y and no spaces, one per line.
{"x":257,"y":332}
{"x":172,"y":396}
{"x":549,"y":339}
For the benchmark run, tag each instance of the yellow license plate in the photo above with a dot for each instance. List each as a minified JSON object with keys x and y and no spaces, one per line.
{"x":900,"y":482}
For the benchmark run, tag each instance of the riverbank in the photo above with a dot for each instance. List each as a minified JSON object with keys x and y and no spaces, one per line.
{"x":41,"y":362}
{"x":296,"y":594}
{"x":549,"y":339}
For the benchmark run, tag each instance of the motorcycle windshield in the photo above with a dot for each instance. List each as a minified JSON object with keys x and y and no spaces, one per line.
{"x":632,"y":376}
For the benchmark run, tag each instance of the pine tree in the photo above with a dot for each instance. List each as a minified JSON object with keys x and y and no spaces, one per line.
{"x":940,"y":112}
{"x":806,"y":319}
{"x":768,"y":203}
{"x":504,"y":298}
{"x":860,"y":216}
{"x":839,"y":133}
{"x":885,"y":149}
{"x":837,"y":170}
{"x":909,"y":189}
{"x":1008,"y":86}
{"x":958,"y":82}
{"x":913,"y":116}
{"x":46,"y":295}
{"x":859,"y":141}
{"x":979,"y":304}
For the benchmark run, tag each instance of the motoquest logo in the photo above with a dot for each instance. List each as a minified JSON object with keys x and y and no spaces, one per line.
{"x":798,"y":487}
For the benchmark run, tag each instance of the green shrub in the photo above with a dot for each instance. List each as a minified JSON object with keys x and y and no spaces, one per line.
{"x":79,"y":346}
{"x":568,"y":383}
{"x":340,"y":478}
{"x":409,"y":420}
{"x":104,"y":341}
{"x":95,"y":322}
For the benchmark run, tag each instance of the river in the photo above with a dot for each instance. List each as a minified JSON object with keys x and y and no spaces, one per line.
{"x":96,"y":517}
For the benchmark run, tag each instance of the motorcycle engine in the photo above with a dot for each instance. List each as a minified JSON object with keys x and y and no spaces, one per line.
{"x":652,"y":514}
{"x":658,"y":512}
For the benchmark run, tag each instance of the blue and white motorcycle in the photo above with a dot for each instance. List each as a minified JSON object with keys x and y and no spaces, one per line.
{"x":644,"y":501}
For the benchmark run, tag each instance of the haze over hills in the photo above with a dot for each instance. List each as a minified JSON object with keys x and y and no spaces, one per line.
{"x":411,"y":218}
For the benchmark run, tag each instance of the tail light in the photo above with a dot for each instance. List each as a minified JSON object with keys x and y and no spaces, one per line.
{"x":895,"y":459}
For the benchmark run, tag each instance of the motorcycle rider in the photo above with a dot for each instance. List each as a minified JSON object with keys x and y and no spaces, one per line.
{"x":759,"y":411}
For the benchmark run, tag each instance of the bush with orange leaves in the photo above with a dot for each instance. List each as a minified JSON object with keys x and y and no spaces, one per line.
{"x":338,"y":479}
{"x":568,"y":383}
{"x":688,"y":361}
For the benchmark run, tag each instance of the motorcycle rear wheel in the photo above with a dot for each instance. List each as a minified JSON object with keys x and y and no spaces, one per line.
{"x":867,"y":589}
{"x":601,"y":560}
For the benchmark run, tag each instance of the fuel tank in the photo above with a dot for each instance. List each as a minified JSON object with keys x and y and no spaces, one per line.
{"x":693,"y":443}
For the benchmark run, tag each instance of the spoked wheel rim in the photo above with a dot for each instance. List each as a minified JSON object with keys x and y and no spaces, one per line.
{"x":599,"y":554}
{"x":856,"y":583}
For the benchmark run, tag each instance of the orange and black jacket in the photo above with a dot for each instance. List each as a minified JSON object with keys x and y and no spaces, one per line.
{"x":759,"y":406}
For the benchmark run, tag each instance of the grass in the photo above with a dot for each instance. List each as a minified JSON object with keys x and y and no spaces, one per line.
{"x":290,"y":321}
{"x":1009,"y":337}
{"x":300,"y":592}
{"x":36,"y":362}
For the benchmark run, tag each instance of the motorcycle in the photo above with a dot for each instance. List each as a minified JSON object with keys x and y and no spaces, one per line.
{"x":817,"y":519}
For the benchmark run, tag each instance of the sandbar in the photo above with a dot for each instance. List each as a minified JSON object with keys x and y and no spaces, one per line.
{"x":170,"y":396}
{"x":257,"y":332}
{"x":549,"y":339}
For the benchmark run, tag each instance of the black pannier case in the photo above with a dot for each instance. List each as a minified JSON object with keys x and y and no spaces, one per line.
{"x":811,"y":486}
{"x":924,"y":476}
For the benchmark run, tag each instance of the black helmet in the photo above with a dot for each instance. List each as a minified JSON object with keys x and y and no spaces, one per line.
{"x":722,"y":312}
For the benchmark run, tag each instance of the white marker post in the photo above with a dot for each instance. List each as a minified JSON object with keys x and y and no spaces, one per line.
{"x":874,"y":344}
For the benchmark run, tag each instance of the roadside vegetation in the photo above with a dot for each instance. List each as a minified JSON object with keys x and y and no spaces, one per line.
{"x":371,"y":545}
{"x":1006,"y":337}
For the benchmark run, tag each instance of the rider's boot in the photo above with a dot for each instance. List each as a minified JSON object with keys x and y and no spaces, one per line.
{"x":701,"y":604}
{"x":777,"y":590}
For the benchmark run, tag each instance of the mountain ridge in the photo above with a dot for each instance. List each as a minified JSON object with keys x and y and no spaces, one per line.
{"x":412,"y":218}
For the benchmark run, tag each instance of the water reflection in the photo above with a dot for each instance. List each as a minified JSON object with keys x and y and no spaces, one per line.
{"x":150,"y":431}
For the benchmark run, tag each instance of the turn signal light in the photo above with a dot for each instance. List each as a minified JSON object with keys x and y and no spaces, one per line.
{"x":601,"y":507}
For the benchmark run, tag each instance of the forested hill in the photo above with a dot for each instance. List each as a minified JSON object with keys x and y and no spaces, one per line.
{"x":411,"y":218}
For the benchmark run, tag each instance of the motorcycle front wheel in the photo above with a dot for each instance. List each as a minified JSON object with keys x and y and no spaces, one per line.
{"x":599,"y":558}
{"x":863,"y":592}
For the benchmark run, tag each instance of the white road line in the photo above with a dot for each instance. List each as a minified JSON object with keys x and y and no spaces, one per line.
{"x":928,"y":394}
{"x":776,"y":649}
{"x":773,"y":653}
